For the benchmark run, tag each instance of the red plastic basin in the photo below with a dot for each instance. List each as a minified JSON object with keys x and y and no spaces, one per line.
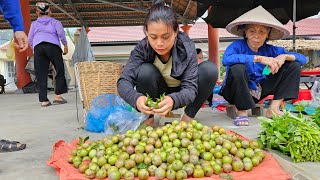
{"x":304,"y":94}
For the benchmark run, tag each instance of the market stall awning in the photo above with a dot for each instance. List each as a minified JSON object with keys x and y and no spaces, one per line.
{"x":101,"y":13}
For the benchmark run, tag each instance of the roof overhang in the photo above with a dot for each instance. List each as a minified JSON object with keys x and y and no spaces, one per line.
{"x":102,"y":13}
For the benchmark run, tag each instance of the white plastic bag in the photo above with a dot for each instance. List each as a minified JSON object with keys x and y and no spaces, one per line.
{"x":122,"y":118}
{"x":315,"y":95}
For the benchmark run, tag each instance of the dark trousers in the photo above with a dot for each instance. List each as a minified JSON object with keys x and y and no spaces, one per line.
{"x":210,"y":99}
{"x":44,"y":53}
{"x":283,"y":85}
{"x":151,"y":82}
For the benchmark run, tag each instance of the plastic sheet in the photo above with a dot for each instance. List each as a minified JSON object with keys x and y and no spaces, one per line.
{"x":315,"y":95}
{"x":268,"y":169}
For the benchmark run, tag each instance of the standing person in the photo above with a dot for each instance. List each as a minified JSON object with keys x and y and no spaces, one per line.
{"x":12,"y":13}
{"x":249,"y":60}
{"x":165,"y":61}
{"x":44,"y":37}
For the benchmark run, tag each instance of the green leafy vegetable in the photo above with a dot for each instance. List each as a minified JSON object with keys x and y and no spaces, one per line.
{"x":154,"y":104}
{"x":226,"y":176}
{"x":295,"y":136}
{"x":316,"y":116}
{"x":81,"y":140}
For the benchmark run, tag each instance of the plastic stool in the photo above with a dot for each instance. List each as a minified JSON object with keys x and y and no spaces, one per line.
{"x":232,"y":111}
{"x":269,"y":97}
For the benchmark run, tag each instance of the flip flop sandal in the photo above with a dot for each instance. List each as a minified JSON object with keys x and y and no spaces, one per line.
{"x":241,"y":121}
{"x":9,"y":146}
{"x":62,"y":101}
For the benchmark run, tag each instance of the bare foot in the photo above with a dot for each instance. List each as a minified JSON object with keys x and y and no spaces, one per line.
{"x":242,"y":113}
{"x":270,"y":112}
{"x":186,"y":118}
{"x":58,"y":98}
{"x":45,"y":103}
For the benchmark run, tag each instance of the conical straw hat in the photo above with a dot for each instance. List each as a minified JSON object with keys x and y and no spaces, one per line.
{"x":259,"y":16}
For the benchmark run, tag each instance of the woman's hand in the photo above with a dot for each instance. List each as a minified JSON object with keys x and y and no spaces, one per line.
{"x":65,"y":51}
{"x":271,"y":63}
{"x":22,"y":43}
{"x":280,"y":59}
{"x":141,"y":106}
{"x":165,"y":106}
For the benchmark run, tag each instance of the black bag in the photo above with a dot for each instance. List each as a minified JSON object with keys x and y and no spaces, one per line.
{"x":32,"y":87}
{"x":30,"y":66}
{"x":2,"y":80}
{"x":2,"y":83}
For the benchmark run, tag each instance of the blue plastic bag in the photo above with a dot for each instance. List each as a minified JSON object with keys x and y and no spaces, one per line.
{"x":111,"y":114}
{"x":99,"y":111}
{"x":216,"y":89}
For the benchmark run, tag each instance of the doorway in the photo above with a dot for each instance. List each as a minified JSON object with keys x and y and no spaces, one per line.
{"x":10,"y":75}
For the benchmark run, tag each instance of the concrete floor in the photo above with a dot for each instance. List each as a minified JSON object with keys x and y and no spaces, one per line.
{"x":22,"y":119}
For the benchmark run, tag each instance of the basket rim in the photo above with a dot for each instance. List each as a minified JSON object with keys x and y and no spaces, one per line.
{"x":96,"y":72}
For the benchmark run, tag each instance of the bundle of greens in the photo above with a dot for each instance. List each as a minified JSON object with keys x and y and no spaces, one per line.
{"x":316,"y":117}
{"x":293,"y":135}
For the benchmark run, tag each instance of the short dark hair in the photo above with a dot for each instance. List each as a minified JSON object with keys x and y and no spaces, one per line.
{"x":43,"y":7}
{"x":161,"y":12}
{"x":198,"y":50}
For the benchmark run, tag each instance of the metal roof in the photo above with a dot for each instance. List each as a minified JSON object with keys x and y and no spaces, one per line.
{"x":102,"y":13}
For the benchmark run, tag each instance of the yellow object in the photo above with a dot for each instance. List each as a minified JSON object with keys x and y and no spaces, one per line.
{"x":11,"y":55}
{"x":165,"y":70}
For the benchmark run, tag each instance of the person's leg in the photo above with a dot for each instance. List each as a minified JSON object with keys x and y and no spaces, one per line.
{"x":236,"y":88}
{"x":54,"y":52}
{"x":284,"y":85}
{"x":210,"y":99}
{"x":41,"y":66}
{"x":237,"y":92}
{"x":207,"y":78}
{"x":151,"y":82}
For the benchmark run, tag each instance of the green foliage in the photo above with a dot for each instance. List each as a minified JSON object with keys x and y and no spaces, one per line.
{"x":316,"y":116}
{"x":295,"y":136}
{"x":226,"y":176}
{"x":222,"y":68}
{"x":81,"y":140}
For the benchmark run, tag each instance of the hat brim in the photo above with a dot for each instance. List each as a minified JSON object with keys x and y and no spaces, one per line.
{"x":276,"y":31}
{"x":259,"y":16}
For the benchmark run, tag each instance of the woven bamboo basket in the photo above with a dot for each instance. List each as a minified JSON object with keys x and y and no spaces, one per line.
{"x":97,"y":77}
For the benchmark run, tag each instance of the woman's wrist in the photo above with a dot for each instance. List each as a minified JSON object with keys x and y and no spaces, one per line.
{"x":256,"y":58}
{"x":290,"y":57}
